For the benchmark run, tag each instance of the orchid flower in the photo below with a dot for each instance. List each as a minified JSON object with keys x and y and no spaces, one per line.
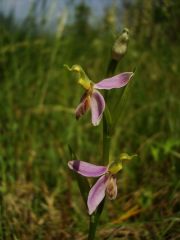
{"x":92,"y":98}
{"x":105,"y":185}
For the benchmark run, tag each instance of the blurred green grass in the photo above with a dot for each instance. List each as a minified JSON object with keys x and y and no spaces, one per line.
{"x":39,"y":199}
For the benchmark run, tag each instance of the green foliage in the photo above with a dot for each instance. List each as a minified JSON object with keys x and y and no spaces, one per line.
{"x":38,"y":199}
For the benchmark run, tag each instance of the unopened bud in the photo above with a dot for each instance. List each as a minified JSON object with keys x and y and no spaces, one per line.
{"x":119,"y":48}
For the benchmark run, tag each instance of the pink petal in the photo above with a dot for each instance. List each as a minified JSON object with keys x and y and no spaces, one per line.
{"x":87,"y":169}
{"x":83,"y":106}
{"x":97,"y":105}
{"x":117,"y":81}
{"x":96,"y":194}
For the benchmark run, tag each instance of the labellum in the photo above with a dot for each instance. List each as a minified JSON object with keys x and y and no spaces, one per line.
{"x":111,"y":188}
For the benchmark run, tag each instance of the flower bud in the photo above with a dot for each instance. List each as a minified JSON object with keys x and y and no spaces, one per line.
{"x":119,"y":48}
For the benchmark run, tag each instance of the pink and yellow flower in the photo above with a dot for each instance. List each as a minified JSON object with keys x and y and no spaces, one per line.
{"x":105,"y":185}
{"x":92,"y":98}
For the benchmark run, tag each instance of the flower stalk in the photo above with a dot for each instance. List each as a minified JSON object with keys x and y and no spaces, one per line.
{"x":107,"y":120}
{"x":97,"y":103}
{"x":107,"y":133}
{"x":118,"y":51}
{"x":93,"y":221}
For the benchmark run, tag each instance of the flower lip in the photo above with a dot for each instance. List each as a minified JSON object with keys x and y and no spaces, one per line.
{"x":83,"y":107}
{"x":111,"y":187}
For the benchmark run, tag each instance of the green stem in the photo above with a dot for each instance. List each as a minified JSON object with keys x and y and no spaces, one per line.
{"x":106,"y":123}
{"x":92,"y":227}
{"x":107,"y":133}
{"x":94,"y":220}
{"x":111,"y":67}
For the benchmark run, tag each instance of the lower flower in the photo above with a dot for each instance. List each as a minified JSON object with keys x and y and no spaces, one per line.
{"x":105,"y":185}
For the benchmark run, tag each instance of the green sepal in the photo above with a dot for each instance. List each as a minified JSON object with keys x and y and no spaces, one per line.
{"x":83,"y":183}
{"x":115,"y":167}
{"x":126,"y":157}
{"x":83,"y":79}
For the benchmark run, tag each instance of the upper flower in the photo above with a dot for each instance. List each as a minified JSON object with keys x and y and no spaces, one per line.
{"x":92,"y":98}
{"x":105,"y":185}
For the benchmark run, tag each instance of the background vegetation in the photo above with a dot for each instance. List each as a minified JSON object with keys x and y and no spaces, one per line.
{"x":38,"y":197}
